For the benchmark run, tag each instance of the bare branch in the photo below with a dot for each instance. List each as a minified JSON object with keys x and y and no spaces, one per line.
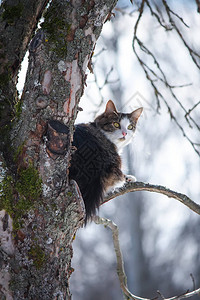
{"x":158,"y":75}
{"x":141,"y":186}
{"x":101,"y":51}
{"x":186,"y":295}
{"x":193,"y":281}
{"x":161,"y":22}
{"x":120,"y":265}
{"x":181,"y":19}
{"x":191,"y":109}
{"x":191,"y":51}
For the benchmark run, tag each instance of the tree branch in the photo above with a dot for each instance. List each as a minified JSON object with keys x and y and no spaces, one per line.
{"x":156,"y":75}
{"x":141,"y":186}
{"x":120,"y":264}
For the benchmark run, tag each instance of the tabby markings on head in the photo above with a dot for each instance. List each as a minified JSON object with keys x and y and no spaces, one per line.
{"x":119,"y":128}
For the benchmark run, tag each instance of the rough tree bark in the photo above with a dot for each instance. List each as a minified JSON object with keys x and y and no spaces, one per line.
{"x":17,"y":24}
{"x":40,"y":210}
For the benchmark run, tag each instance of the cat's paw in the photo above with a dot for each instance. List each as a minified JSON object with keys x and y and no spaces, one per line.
{"x":130,"y":178}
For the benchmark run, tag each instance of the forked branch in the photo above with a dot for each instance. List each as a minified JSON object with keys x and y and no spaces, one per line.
{"x":120,"y":265}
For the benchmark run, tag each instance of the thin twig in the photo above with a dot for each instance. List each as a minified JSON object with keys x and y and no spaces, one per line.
{"x":193,"y":281}
{"x":191,"y":51}
{"x":101,"y":51}
{"x":191,"y":109}
{"x":166,"y":27}
{"x":159,"y":76}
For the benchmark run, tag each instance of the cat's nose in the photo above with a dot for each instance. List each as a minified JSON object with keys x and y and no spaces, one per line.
{"x":124,"y":133}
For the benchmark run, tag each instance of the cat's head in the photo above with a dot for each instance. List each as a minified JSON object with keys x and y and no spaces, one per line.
{"x":118,"y":127}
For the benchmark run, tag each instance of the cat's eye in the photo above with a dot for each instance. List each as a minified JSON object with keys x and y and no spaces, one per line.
{"x":116,"y":124}
{"x":130,"y":127}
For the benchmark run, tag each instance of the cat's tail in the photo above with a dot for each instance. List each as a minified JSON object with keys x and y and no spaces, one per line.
{"x":92,"y":196}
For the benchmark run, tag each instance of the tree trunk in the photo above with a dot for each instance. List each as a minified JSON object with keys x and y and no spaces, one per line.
{"x":40,"y":210}
{"x":18,"y":21}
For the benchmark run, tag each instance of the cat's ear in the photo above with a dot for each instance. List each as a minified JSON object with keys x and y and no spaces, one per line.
{"x":136,"y":114}
{"x":110,"y":107}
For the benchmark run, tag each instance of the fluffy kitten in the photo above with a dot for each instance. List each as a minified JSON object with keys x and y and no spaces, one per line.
{"x":96,"y":164}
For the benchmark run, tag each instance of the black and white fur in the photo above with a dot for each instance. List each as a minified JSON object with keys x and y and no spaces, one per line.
{"x":96,"y":164}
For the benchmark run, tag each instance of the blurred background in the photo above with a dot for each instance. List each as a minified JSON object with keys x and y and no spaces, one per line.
{"x":158,"y":69}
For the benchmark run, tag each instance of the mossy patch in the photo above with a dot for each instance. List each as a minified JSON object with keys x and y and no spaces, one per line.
{"x":18,"y":196}
{"x":18,"y":152}
{"x":29,"y":184}
{"x":57,"y":29}
{"x":18,"y":108}
{"x":6,"y":194}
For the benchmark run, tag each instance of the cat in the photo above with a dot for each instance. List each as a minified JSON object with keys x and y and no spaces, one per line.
{"x":96,"y":164}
